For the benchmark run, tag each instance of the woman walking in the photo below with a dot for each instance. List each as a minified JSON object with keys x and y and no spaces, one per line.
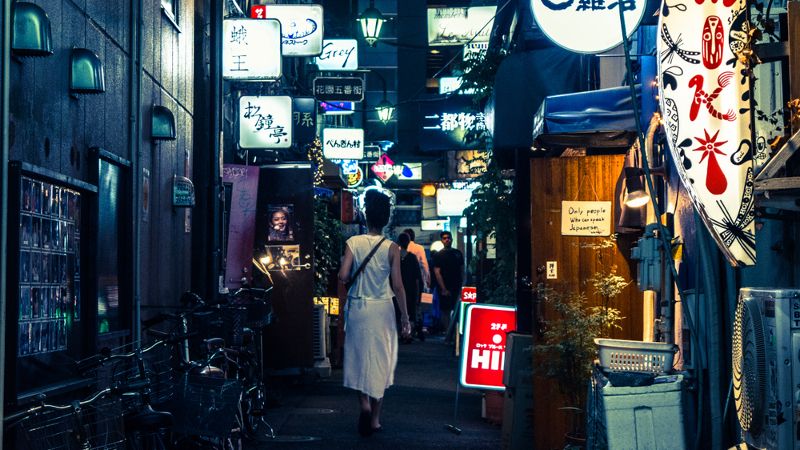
{"x":370,"y":346}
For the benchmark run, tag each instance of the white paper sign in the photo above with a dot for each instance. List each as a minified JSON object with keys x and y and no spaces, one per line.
{"x":343,"y":143}
{"x":338,"y":54}
{"x":585,"y":218}
{"x":265,"y":122}
{"x":301,"y":28}
{"x":251,"y":49}
{"x":587,"y":26}
{"x":457,"y":26}
{"x":552,"y":270}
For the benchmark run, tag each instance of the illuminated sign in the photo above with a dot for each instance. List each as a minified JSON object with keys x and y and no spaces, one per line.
{"x":484,"y":345}
{"x":343,"y":143}
{"x":384,"y":168}
{"x":453,"y":84}
{"x":475,"y":50}
{"x":587,"y":26}
{"x":304,"y":119}
{"x":251,"y":49}
{"x":452,"y":202}
{"x":466,"y":164}
{"x":705,"y":98}
{"x":434,"y":225}
{"x":265,"y":121}
{"x":451,"y":124}
{"x":469,"y":294}
{"x":408,"y":171}
{"x":458,"y":26}
{"x":352,"y":180}
{"x":333,"y":108}
{"x":338,"y":54}
{"x":301,"y":27}
{"x":346,"y":89}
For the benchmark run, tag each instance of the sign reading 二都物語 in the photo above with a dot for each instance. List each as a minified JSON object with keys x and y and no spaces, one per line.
{"x":265,"y":121}
{"x":251,"y":49}
{"x":585,"y":218}
{"x":587,"y":26}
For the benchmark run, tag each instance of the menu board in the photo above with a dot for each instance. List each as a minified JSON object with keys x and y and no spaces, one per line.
{"x":49,"y":269}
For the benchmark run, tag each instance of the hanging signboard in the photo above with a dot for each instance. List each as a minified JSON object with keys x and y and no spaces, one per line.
{"x":463,"y":164}
{"x":265,"y":121}
{"x":434,"y":224}
{"x":585,"y":218}
{"x":343,"y":143}
{"x":484,"y":345}
{"x":182,"y":192}
{"x":448,"y":123}
{"x":458,"y":26}
{"x":475,"y":50}
{"x":408,"y":171}
{"x":304,"y":119}
{"x":372,"y":153}
{"x":452,"y":202}
{"x":346,"y":89}
{"x":301,"y":26}
{"x":568,"y":22}
{"x":349,"y":166}
{"x":449,"y":85}
{"x":705,"y":103}
{"x":383,"y":168}
{"x":337,"y":108}
{"x":251,"y":49}
{"x":352,"y":180}
{"x":338,"y":54}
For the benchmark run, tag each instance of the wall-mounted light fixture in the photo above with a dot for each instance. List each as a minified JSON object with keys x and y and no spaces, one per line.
{"x":162,"y":124}
{"x":86,"y":74}
{"x":31,"y":34}
{"x":428,"y":190}
{"x":371,"y":21}
{"x":636,"y":196}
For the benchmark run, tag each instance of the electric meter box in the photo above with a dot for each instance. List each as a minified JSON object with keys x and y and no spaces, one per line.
{"x":646,"y":416}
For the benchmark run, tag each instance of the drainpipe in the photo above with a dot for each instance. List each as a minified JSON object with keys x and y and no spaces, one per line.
{"x":135,"y":130}
{"x":5,"y":116}
{"x":215,"y":182}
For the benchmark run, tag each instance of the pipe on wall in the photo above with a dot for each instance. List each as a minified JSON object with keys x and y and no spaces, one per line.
{"x":136,"y":72}
{"x":5,"y":116}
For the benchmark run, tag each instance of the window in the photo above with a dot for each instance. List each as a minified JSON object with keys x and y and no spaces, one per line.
{"x":170,"y":8}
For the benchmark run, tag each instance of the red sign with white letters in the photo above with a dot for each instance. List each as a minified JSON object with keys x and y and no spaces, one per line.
{"x":258,"y":12}
{"x":469,"y":294}
{"x":484,"y":346}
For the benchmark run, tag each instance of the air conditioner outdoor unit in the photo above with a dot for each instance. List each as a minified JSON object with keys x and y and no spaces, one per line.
{"x":766,"y":370}
{"x":319,"y":341}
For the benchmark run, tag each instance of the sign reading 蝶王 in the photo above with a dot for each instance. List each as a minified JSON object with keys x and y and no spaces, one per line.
{"x":343,"y":143}
{"x":251,"y":49}
{"x":338,"y":54}
{"x":587,"y":26}
{"x":265,"y":121}
{"x":484,"y":345}
{"x":336,"y":89}
{"x":585,"y":218}
{"x":301,"y":26}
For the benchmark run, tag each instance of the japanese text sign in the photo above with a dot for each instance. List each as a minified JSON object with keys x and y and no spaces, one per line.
{"x":587,"y":26}
{"x":384,"y":168}
{"x":301,"y":27}
{"x":457,"y":26}
{"x":265,"y":121}
{"x":451,"y":124}
{"x":251,"y":49}
{"x":338,"y":54}
{"x":343,"y":143}
{"x":484,"y":345}
{"x":304,"y":119}
{"x":349,"y":89}
{"x":585,"y":218}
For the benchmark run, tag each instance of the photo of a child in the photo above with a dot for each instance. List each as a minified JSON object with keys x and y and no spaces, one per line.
{"x":279,"y":221}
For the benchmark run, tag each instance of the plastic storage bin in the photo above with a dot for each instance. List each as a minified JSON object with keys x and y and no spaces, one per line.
{"x":618,"y":355}
{"x":647,"y":417}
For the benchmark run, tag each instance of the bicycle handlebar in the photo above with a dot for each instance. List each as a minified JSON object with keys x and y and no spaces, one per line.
{"x":75,"y":405}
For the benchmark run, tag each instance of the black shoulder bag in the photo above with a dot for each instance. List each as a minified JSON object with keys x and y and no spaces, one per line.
{"x":363,"y":263}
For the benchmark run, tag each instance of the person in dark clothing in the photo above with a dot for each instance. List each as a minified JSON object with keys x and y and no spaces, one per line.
{"x":412,"y":279}
{"x":448,"y":269}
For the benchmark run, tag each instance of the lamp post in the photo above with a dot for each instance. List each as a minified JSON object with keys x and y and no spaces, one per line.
{"x":371,"y":21}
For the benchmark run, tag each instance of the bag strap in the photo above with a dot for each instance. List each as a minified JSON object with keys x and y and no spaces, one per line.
{"x":364,"y":263}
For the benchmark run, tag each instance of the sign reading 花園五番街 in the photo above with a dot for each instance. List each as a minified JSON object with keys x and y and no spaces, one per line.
{"x":339,"y":89}
{"x":585,"y":26}
{"x":585,"y":218}
{"x":251,"y":49}
{"x":301,"y":27}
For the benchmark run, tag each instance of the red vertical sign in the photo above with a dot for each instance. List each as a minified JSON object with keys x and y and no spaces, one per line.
{"x":258,"y":12}
{"x":484,"y":345}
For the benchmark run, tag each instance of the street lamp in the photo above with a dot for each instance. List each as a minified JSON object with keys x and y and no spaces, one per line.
{"x":371,"y":22}
{"x":385,"y":110}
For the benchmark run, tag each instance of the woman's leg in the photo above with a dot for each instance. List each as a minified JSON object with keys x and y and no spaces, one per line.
{"x":376,"y":404}
{"x":364,"y":401}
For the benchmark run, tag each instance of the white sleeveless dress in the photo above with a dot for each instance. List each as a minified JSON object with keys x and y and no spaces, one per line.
{"x":370,"y":345}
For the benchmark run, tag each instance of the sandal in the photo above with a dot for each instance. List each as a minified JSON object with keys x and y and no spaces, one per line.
{"x":364,"y":426}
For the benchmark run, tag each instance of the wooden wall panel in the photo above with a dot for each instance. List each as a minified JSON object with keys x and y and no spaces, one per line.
{"x":553,"y":180}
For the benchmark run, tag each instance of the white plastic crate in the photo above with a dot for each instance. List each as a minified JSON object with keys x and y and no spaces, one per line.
{"x":618,"y":355}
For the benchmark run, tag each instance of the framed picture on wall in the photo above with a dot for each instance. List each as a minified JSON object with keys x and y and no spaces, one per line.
{"x":280,"y":223}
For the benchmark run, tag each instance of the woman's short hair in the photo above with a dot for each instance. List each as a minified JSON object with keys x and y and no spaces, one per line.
{"x":377,"y":208}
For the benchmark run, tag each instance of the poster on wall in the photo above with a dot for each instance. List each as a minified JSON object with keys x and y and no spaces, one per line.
{"x":705,"y":104}
{"x":243,"y":182}
{"x":279,"y":221}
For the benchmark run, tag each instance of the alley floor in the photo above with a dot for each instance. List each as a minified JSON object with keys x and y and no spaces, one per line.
{"x":416,"y":409}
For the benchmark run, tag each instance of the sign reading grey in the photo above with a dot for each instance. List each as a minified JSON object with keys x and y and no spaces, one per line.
{"x":304,"y":119}
{"x":339,"y":89}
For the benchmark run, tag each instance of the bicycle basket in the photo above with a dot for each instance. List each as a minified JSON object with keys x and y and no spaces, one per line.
{"x":205,"y":406}
{"x":92,"y":427}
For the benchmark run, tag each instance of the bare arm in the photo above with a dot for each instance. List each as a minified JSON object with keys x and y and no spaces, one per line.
{"x":442,"y":289}
{"x":347,"y":264}
{"x":397,"y":287}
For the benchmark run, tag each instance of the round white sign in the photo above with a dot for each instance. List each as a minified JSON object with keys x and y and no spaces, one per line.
{"x":587,"y":26}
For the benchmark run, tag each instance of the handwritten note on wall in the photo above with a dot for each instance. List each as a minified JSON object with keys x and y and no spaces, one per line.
{"x":585,"y":218}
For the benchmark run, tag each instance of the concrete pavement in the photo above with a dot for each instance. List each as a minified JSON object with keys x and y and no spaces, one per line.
{"x":415,"y":412}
